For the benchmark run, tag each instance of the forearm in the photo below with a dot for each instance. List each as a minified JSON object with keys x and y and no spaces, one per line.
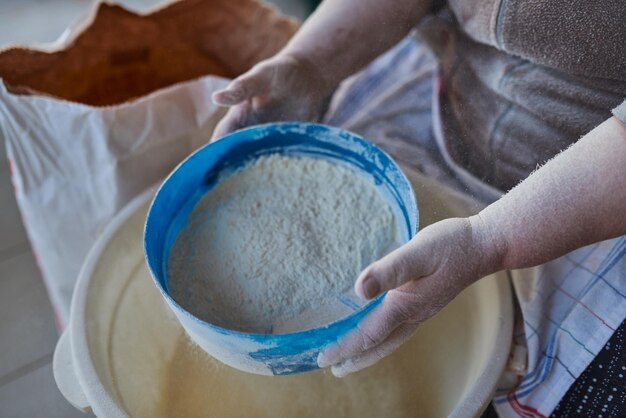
{"x":342,"y":36}
{"x":577,"y":198}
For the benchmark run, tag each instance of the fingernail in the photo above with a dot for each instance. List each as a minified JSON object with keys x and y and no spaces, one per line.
{"x":370,"y":288}
{"x":233,"y":94}
{"x":341,"y":370}
{"x":323,"y":360}
{"x":225,"y":97}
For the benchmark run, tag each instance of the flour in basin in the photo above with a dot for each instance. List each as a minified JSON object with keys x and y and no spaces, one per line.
{"x":281,"y":236}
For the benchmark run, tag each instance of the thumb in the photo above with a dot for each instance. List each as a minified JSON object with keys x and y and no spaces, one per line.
{"x":411,"y":261}
{"x":253,"y":83}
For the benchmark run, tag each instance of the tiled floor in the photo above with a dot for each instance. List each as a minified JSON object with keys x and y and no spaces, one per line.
{"x":27,"y":331}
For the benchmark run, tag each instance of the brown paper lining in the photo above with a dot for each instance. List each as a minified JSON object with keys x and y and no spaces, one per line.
{"x":122,"y":55}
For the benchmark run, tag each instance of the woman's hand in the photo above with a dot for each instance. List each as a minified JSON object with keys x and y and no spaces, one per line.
{"x":283,"y":87}
{"x":422,"y":277}
{"x":339,"y":38}
{"x":575,"y":199}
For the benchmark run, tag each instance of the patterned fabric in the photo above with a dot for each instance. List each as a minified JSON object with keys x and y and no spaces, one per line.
{"x":390,"y":103}
{"x":600,"y":391}
{"x":570,"y":307}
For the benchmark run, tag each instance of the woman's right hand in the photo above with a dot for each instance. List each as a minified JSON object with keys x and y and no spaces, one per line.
{"x":280,"y":88}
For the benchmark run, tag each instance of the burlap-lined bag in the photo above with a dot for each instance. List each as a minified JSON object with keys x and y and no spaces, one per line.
{"x":94,"y":121}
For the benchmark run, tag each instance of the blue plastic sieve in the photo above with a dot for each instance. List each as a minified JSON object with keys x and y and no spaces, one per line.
{"x":268,"y":354}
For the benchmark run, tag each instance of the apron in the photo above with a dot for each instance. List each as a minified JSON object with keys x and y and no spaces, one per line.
{"x":523,"y":80}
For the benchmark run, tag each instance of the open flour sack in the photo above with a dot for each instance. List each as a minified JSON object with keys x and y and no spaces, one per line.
{"x":94,"y":121}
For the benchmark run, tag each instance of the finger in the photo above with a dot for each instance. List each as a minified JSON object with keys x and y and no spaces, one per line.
{"x":234,"y":119}
{"x":226,"y":125}
{"x":411,"y":261}
{"x":413,"y":302}
{"x":370,"y":331}
{"x":398,"y":337}
{"x":247,"y":86}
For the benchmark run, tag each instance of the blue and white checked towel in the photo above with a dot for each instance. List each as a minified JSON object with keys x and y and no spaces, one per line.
{"x":570,"y":308}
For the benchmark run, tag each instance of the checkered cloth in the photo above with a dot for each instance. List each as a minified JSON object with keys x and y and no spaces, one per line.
{"x":569,"y":307}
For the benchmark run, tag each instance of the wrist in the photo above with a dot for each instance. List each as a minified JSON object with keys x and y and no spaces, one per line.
{"x":490,"y":246}
{"x":322,"y":81}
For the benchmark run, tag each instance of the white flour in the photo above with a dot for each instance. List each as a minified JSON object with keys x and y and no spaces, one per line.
{"x":278,"y":237}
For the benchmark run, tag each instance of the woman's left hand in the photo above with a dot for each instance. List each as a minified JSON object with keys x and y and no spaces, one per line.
{"x":422,"y":277}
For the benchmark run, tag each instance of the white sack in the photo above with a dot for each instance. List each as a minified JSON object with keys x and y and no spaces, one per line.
{"x":75,"y":166}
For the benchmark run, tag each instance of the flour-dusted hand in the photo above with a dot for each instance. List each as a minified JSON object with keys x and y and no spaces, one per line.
{"x":281,"y":88}
{"x":422,"y":277}
{"x":554,"y":211}
{"x":335,"y":42}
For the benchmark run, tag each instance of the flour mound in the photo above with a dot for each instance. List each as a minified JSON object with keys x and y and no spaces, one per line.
{"x":283,"y":235}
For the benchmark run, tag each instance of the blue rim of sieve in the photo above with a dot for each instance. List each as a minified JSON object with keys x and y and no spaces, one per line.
{"x":236,"y":150}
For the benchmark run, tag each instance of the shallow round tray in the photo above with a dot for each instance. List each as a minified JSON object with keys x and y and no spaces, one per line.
{"x":125,"y":354}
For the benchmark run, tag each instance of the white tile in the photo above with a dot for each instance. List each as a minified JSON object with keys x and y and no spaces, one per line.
{"x":37,"y":22}
{"x":36,"y":395}
{"x":43,"y":21}
{"x":27,"y":329}
{"x":12,"y":231}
